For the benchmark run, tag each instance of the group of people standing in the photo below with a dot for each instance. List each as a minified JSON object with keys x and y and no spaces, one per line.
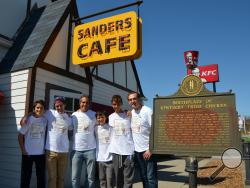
{"x":113,"y":142}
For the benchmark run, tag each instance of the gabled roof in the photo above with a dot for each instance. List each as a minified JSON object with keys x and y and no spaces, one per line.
{"x":34,"y":38}
{"x":8,"y":61}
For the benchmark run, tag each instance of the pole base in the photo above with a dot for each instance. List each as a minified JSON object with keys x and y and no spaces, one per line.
{"x":247,"y":182}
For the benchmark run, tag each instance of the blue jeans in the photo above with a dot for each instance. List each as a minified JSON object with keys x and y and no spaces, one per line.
{"x":83,"y":159}
{"x":148,"y":170}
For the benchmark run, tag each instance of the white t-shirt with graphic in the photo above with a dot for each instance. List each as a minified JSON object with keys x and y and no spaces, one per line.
{"x":34,"y":135}
{"x":57,"y":133}
{"x":121,"y":136}
{"x":84,"y":128}
{"x":141,"y":128}
{"x":103,"y":136}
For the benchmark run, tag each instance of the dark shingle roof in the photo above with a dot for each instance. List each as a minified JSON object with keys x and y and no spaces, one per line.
{"x":12,"y":54}
{"x":34,"y":44}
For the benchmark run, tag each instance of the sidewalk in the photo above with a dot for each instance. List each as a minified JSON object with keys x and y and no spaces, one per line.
{"x":171,"y":174}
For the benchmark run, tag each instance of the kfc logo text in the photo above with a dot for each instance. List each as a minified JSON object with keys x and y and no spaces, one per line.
{"x":209,"y":73}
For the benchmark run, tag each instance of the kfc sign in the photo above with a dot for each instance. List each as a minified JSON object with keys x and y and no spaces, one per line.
{"x":208,"y":73}
{"x":191,"y":58}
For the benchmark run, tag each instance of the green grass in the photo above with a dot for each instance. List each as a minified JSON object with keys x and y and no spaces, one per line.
{"x":246,"y":139}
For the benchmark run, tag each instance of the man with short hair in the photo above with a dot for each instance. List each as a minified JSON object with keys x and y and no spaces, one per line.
{"x":84,"y":143}
{"x":57,"y":143}
{"x":141,"y":128}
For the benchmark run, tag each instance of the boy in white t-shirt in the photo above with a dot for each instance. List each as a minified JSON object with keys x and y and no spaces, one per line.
{"x":103,"y":157}
{"x":31,"y":139}
{"x":121,"y":145}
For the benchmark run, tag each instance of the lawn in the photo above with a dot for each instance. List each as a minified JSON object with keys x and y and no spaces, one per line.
{"x":246,"y":139}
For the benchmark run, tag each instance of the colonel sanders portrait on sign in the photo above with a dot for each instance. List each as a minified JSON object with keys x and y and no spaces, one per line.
{"x":191,"y":59}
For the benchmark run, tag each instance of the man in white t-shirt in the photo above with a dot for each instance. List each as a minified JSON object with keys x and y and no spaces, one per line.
{"x":57,"y":143}
{"x":84,"y":143}
{"x":141,"y":128}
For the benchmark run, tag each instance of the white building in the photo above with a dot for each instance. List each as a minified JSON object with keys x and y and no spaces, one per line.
{"x":35,"y":63}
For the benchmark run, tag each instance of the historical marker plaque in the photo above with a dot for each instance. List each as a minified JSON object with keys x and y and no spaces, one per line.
{"x":194,"y":121}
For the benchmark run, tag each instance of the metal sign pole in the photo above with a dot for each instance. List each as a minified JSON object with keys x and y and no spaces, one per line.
{"x":214,"y":87}
{"x":192,"y":179}
{"x":192,"y":168}
{"x":109,"y":10}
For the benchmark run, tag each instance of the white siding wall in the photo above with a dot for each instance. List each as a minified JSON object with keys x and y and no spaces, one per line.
{"x":58,"y":51}
{"x":77,"y":69}
{"x":120,"y":73}
{"x":44,"y":77}
{"x":106,"y":71}
{"x":102,"y":93}
{"x":131,"y":82}
{"x":14,"y":86}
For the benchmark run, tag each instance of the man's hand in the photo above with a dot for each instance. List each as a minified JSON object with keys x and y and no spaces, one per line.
{"x":21,"y":144}
{"x":129,"y":113}
{"x":25,"y":119}
{"x":24,"y":152}
{"x":147,"y":154}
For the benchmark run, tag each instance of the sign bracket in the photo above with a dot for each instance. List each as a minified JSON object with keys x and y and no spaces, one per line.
{"x":107,"y":11}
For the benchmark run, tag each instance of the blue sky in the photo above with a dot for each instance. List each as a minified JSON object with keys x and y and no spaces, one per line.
{"x":218,"y":29}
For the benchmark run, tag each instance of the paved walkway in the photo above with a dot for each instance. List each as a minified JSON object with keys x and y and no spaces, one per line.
{"x":171,"y":174}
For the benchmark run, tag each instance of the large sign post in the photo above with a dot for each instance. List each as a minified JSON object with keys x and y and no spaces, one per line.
{"x":194,"y":122}
{"x":113,"y":39}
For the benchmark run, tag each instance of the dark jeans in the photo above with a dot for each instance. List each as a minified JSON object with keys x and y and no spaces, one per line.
{"x":148,"y":170}
{"x":26,"y":171}
{"x":124,"y":170}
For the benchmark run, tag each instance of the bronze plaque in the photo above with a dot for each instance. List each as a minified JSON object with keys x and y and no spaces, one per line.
{"x":194,"y":121}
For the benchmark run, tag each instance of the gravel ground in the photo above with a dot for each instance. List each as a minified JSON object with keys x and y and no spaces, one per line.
{"x":228,"y":178}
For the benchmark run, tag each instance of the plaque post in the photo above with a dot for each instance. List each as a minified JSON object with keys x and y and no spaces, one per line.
{"x":192,"y":168}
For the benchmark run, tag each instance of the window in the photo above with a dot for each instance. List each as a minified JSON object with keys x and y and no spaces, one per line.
{"x":71,"y":100}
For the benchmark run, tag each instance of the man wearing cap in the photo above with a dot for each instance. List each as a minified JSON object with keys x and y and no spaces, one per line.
{"x":141,"y":128}
{"x":57,"y":143}
{"x":84,"y":143}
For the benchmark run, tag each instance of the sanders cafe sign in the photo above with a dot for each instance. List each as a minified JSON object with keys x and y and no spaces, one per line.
{"x":112,"y":39}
